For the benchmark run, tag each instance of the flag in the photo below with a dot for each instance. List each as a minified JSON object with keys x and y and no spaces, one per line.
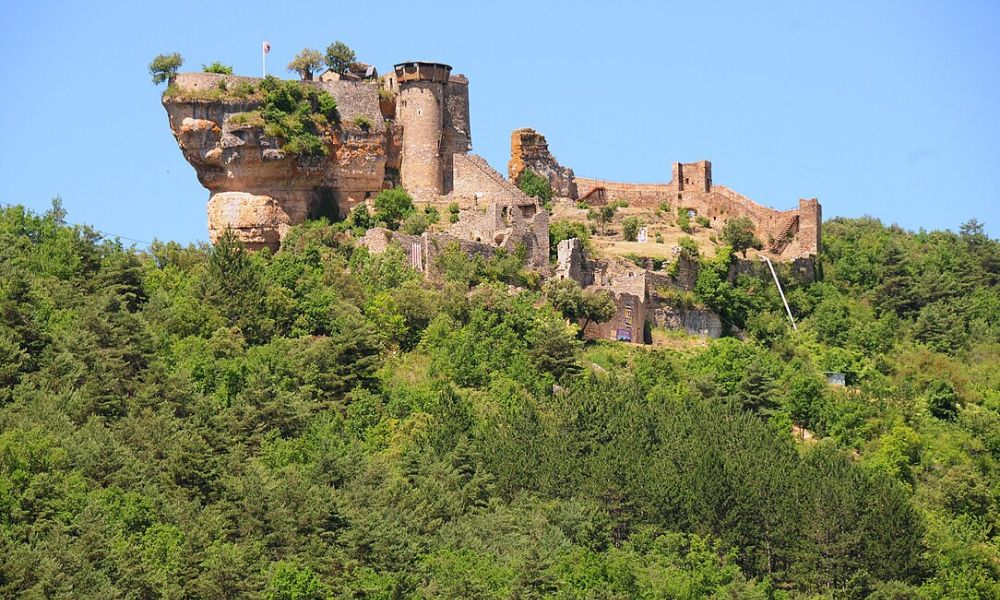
{"x":266,"y":47}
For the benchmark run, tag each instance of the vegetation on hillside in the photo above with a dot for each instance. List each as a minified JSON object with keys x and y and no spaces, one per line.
{"x":321,"y":422}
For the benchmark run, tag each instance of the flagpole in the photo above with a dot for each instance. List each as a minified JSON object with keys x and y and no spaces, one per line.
{"x":263,"y":62}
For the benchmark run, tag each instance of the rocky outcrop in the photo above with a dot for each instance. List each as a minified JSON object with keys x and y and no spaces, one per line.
{"x":529,"y":150}
{"x":256,"y":189}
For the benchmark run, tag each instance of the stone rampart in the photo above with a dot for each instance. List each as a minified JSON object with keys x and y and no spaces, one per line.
{"x":636,"y":194}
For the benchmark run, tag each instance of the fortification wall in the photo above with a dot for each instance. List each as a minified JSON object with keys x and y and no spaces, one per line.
{"x":636,"y":194}
{"x":354,"y":98}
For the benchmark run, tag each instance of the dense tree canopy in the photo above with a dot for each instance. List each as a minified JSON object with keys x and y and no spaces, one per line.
{"x":205,"y":422}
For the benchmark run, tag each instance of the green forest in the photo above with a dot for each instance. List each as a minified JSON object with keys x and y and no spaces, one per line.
{"x":319,"y":422}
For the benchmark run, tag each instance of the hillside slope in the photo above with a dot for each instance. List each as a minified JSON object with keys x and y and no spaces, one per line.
{"x":206,"y":422}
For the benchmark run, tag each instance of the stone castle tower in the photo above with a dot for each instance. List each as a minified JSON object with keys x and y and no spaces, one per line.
{"x":433,"y":110}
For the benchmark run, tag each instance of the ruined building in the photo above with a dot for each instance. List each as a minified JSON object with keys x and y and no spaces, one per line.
{"x":788,"y":234}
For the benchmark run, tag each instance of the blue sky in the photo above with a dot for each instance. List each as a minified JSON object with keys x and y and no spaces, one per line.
{"x":890,"y":109}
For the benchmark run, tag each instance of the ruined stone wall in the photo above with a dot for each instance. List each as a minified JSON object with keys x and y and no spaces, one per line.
{"x":354,"y":98}
{"x":457,"y":128}
{"x":629,"y":322}
{"x":572,"y":263}
{"x":422,"y":251}
{"x":636,"y":194}
{"x":508,"y":225}
{"x":477,"y":183}
{"x":695,"y":321}
{"x":529,"y":150}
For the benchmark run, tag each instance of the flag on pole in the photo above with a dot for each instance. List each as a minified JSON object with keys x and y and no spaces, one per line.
{"x":264,"y":49}
{"x":267,"y":47}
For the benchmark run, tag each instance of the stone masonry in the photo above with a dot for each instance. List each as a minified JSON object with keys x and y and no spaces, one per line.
{"x":788,"y":234}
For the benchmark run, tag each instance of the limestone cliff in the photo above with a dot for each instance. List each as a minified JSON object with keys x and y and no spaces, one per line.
{"x":255,"y":188}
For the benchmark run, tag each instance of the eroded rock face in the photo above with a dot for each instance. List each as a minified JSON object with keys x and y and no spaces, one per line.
{"x":256,"y":189}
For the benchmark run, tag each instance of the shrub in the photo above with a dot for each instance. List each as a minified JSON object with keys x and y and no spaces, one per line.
{"x":392,"y":206}
{"x":659,"y":238}
{"x":564,"y":230}
{"x":416,"y":223}
{"x":703,"y":221}
{"x":217,"y":67}
{"x":165,"y":66}
{"x":689,"y":247}
{"x":432,"y":213}
{"x":247,"y":119}
{"x":582,"y":205}
{"x":384,"y":94}
{"x":683,"y":219}
{"x":453,"y":212}
{"x":360,"y":217}
{"x":603,"y":215}
{"x":534,"y":185}
{"x":363,"y":122}
{"x":630,"y":228}
{"x":244,"y":89}
{"x":298,"y":114}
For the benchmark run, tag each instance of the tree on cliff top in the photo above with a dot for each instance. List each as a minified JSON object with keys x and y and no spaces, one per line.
{"x":306,"y":62}
{"x":339,"y":57}
{"x":164,"y":67}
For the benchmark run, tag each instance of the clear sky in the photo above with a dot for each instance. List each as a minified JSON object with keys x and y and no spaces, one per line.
{"x":890,"y":109}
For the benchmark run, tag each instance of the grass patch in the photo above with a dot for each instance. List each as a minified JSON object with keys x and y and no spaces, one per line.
{"x":253,"y":118}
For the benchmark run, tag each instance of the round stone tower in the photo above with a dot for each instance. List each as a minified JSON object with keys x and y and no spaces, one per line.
{"x":420,"y":109}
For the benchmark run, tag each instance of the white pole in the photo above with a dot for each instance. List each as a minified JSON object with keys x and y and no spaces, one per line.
{"x":778,"y":283}
{"x":263,"y":62}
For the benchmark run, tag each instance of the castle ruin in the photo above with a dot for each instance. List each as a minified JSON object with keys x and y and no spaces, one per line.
{"x":411,"y":128}
{"x":788,"y":234}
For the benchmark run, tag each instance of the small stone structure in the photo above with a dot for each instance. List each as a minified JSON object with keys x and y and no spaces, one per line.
{"x":787,"y":234}
{"x":637,"y":305}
